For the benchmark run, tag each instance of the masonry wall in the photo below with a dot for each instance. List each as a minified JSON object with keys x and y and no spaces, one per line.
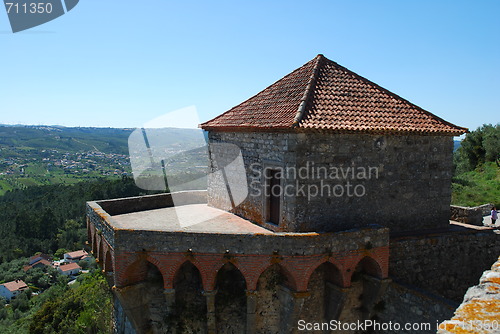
{"x":334,"y":182}
{"x":446,"y":264}
{"x":121,"y":324}
{"x":259,"y":150}
{"x":480,"y":310}
{"x":411,"y":189}
{"x":404,"y":305}
{"x":470,"y":215}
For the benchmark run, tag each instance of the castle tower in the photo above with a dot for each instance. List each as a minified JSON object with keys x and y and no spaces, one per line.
{"x":329,"y":163}
{"x":340,"y":151}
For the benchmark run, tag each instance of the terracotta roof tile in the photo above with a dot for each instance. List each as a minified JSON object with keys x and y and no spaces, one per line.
{"x":322,"y":95}
{"x":76,"y":254}
{"x":15,"y":285}
{"x":69,"y":266}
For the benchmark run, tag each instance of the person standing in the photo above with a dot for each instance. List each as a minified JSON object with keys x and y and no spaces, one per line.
{"x":494,"y":215}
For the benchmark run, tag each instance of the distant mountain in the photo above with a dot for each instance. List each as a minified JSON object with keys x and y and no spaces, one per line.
{"x":81,"y":139}
{"x":456,"y":145}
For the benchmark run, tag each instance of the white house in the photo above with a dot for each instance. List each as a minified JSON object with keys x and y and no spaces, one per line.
{"x":69,"y":269}
{"x":11,"y":289}
{"x":76,"y":256}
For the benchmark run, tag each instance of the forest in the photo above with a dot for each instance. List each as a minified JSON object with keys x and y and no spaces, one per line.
{"x":51,"y":219}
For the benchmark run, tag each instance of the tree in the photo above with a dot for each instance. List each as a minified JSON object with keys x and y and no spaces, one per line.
{"x":3,"y":313}
{"x":479,"y":146}
{"x":21,"y":302}
{"x":60,"y":253}
{"x":491,"y":144}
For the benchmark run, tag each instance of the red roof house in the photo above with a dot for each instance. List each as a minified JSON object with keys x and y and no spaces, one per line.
{"x":12,"y":289}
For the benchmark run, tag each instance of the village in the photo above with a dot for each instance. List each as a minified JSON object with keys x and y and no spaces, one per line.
{"x":53,"y":161}
{"x":71,"y":266}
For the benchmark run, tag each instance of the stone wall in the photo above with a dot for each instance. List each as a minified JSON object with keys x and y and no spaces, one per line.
{"x":411,"y":189}
{"x":121,"y":323}
{"x":333,"y":182}
{"x":470,"y":215}
{"x":259,"y":150}
{"x":445,"y":264}
{"x":480,"y":311}
{"x":405,"y":305}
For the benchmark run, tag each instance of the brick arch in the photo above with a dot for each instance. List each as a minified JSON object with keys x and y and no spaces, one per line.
{"x":209,"y":265}
{"x":159,"y":265}
{"x":136,"y":270}
{"x":369,"y":265}
{"x":125,"y":265}
{"x":235,"y":265}
{"x":181,"y":264}
{"x":108,"y":261}
{"x":231,"y":294}
{"x":336,"y":272}
{"x":177,"y":267}
{"x":290,"y":279}
{"x":94,"y":242}
{"x":381,"y":256}
{"x":301,"y":268}
{"x":168,"y":265}
{"x":100,"y":250}
{"x":252,"y":267}
{"x":90,"y":233}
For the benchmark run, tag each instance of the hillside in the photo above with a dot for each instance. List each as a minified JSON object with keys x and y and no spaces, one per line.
{"x":45,"y":155}
{"x":477,"y":187}
{"x":70,"y":140}
{"x":82,"y":139}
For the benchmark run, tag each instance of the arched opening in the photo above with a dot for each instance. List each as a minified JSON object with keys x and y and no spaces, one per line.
{"x":230,"y":300}
{"x":267,"y":313}
{"x":89,"y":232}
{"x":155,"y":300}
{"x":190,"y":310}
{"x":101,"y":251}
{"x":369,"y":266}
{"x":144,"y":297}
{"x":94,"y":245}
{"x":322,"y":305}
{"x":355,"y":305}
{"x":108,"y":262}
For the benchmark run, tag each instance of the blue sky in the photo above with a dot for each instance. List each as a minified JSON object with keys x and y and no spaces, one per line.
{"x":122,"y":63}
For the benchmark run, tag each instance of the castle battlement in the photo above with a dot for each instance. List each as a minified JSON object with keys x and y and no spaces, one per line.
{"x":141,"y":232}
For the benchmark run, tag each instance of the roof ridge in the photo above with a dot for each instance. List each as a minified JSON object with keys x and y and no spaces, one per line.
{"x":394,"y":95}
{"x":253,"y":96}
{"x":308,"y":91}
{"x":322,"y":94}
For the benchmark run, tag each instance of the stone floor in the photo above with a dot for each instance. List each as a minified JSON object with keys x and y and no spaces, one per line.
{"x":198,"y":218}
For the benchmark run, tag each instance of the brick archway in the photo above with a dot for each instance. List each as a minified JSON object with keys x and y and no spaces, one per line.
{"x":290,"y":280}
{"x":230,"y":300}
{"x":100,"y":250}
{"x":336,"y":274}
{"x":369,"y":265}
{"x":108,"y":261}
{"x":136,"y":270}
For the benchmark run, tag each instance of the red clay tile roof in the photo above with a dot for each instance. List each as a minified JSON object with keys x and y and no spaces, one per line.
{"x":41,"y":256}
{"x":323,"y":95}
{"x":77,"y":254}
{"x":15,"y":285}
{"x":69,"y":266}
{"x":34,"y":264}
